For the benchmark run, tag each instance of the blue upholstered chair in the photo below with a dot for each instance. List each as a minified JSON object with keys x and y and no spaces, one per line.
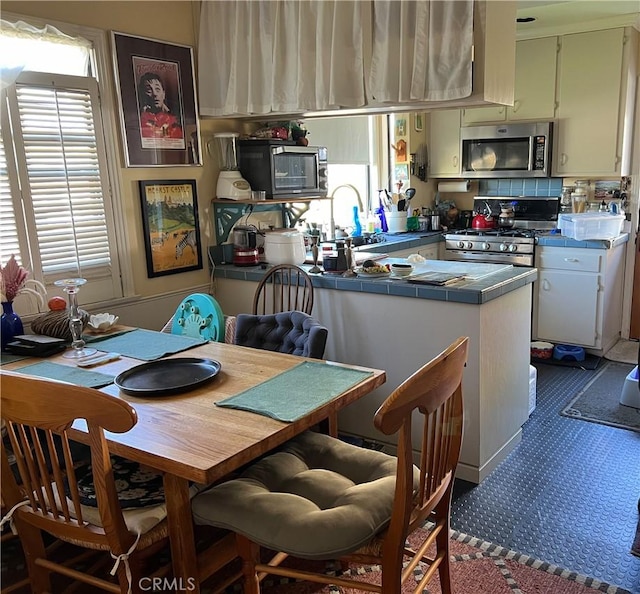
{"x":293,"y":332}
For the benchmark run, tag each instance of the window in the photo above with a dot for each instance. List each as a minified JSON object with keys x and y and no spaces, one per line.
{"x":358,"y":167}
{"x":55,"y":203}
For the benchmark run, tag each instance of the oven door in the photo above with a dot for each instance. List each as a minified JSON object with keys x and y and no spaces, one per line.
{"x":297,"y":170}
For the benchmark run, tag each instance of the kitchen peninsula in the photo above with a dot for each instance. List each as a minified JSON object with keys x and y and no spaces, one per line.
{"x":398,"y":326}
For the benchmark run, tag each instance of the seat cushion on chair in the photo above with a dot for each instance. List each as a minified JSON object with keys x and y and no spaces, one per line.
{"x":292,"y":332}
{"x":316,"y":498}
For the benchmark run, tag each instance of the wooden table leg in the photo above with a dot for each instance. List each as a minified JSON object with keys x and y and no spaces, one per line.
{"x":181,"y":537}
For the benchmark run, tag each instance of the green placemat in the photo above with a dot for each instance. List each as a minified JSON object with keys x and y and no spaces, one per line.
{"x":148,"y":345}
{"x":296,"y":392}
{"x":9,"y":358}
{"x":67,"y":373}
{"x":99,"y":337}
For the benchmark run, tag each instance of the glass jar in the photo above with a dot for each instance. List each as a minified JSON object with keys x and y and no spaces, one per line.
{"x":565,"y":199}
{"x":579,"y":196}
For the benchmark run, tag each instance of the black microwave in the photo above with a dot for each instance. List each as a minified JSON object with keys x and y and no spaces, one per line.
{"x":506,"y":150}
{"x":283,"y":169}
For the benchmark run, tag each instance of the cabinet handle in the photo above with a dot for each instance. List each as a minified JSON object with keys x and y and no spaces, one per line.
{"x":571,"y":260}
{"x":455,"y":161}
{"x":563,"y":159}
{"x":546,"y":286}
{"x":516,"y":106}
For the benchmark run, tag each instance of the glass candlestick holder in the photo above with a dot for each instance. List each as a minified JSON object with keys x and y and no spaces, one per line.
{"x":315,"y":239}
{"x":71,"y":286}
{"x":349,"y":272}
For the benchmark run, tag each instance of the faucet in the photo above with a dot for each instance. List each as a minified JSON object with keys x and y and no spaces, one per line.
{"x":358,"y":197}
{"x":360,"y":205}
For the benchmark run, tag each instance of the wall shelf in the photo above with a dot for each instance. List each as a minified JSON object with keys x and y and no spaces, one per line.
{"x":226,"y":213}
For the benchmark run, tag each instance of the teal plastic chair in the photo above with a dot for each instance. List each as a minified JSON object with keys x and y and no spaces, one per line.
{"x":199,"y":316}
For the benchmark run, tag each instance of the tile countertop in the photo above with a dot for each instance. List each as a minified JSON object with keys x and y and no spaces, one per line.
{"x":557,"y":240}
{"x":484,"y":282}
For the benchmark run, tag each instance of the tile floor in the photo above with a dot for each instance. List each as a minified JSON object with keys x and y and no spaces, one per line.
{"x":568,"y":494}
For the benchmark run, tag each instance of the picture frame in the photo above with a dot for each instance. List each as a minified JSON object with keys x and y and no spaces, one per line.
{"x":418,"y":122}
{"x":171,"y":227}
{"x":157,"y":102}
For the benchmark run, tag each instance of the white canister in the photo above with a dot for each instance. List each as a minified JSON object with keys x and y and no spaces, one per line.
{"x":284,"y":247}
{"x":396,"y":221}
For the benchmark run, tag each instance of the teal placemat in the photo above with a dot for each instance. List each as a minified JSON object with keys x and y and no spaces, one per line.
{"x":296,"y":392}
{"x":148,"y":345}
{"x":67,"y":373}
{"x":9,"y":358}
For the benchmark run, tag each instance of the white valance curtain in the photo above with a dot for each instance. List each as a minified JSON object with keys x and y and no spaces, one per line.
{"x":286,"y":56}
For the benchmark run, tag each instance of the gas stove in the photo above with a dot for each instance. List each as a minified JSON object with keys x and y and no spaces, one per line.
{"x":504,"y":246}
{"x":496,"y":246}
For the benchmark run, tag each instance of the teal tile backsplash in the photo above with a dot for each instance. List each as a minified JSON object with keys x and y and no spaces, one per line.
{"x":548,"y":186}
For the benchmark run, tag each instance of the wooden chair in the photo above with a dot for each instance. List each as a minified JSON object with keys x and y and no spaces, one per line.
{"x":45,"y":498}
{"x":285,"y":287}
{"x":293,"y":501}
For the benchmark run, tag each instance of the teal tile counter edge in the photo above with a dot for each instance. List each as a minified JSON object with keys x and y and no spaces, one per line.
{"x":468,"y":291}
{"x":554,"y":239}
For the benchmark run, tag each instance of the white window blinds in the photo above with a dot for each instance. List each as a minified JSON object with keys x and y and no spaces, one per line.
{"x":59,"y":152}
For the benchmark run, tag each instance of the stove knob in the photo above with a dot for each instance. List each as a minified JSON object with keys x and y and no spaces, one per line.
{"x":486,"y":245}
{"x":503,"y":247}
{"x":461,"y":244}
{"x":513,"y":247}
{"x":469,"y":245}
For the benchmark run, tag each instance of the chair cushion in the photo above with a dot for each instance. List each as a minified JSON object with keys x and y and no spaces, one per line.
{"x":316,"y":498}
{"x":137,"y":486}
{"x":292,"y":332}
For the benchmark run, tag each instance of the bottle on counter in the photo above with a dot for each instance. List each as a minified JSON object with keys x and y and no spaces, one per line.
{"x":565,"y":199}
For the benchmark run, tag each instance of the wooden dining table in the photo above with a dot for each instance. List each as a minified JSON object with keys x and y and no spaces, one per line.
{"x":189,"y":439}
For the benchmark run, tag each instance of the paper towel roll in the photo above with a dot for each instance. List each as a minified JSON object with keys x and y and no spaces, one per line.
{"x":462,"y":186}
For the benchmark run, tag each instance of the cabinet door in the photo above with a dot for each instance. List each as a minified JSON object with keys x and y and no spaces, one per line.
{"x":444,"y":143}
{"x":534,"y":95}
{"x":568,"y":307}
{"x":589,"y":88}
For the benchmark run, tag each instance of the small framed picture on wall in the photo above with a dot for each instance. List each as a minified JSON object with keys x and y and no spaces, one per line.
{"x":171,"y":227}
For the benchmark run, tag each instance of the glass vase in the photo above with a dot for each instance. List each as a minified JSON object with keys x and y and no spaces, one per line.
{"x":11,"y":324}
{"x":71,"y":286}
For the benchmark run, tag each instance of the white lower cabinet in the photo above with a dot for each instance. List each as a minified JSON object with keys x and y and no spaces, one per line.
{"x":578,"y":296}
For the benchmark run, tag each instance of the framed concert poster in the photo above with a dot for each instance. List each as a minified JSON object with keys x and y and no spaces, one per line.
{"x":171,"y":228}
{"x":157,"y":102}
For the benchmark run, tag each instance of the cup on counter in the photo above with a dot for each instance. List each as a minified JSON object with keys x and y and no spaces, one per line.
{"x":258,"y":195}
{"x":435,"y":222}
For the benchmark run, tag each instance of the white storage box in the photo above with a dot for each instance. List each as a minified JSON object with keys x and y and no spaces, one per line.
{"x":630,"y":395}
{"x":590,"y":225}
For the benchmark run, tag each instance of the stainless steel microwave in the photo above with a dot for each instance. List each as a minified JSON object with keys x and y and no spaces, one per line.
{"x":506,"y":150}
{"x":283,"y":169}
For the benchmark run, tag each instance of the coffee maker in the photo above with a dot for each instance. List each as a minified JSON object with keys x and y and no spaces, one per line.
{"x":245,"y":247}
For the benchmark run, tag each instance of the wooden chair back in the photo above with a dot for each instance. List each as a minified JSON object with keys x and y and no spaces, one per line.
{"x":435,"y":392}
{"x":37,"y":462}
{"x":285,"y":287}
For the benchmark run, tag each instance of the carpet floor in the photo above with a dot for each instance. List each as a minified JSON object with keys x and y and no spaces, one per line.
{"x":599,"y":400}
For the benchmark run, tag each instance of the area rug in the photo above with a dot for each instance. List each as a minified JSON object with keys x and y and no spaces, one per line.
{"x":599,"y":400}
{"x":624,"y":351}
{"x":590,"y":362}
{"x":478,"y":567}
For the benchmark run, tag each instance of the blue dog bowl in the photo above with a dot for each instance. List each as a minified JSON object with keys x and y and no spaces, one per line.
{"x":567,"y":352}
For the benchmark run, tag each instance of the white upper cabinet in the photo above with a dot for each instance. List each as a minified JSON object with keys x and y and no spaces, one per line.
{"x":444,"y":143}
{"x":534,"y":96}
{"x":596,"y":78}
